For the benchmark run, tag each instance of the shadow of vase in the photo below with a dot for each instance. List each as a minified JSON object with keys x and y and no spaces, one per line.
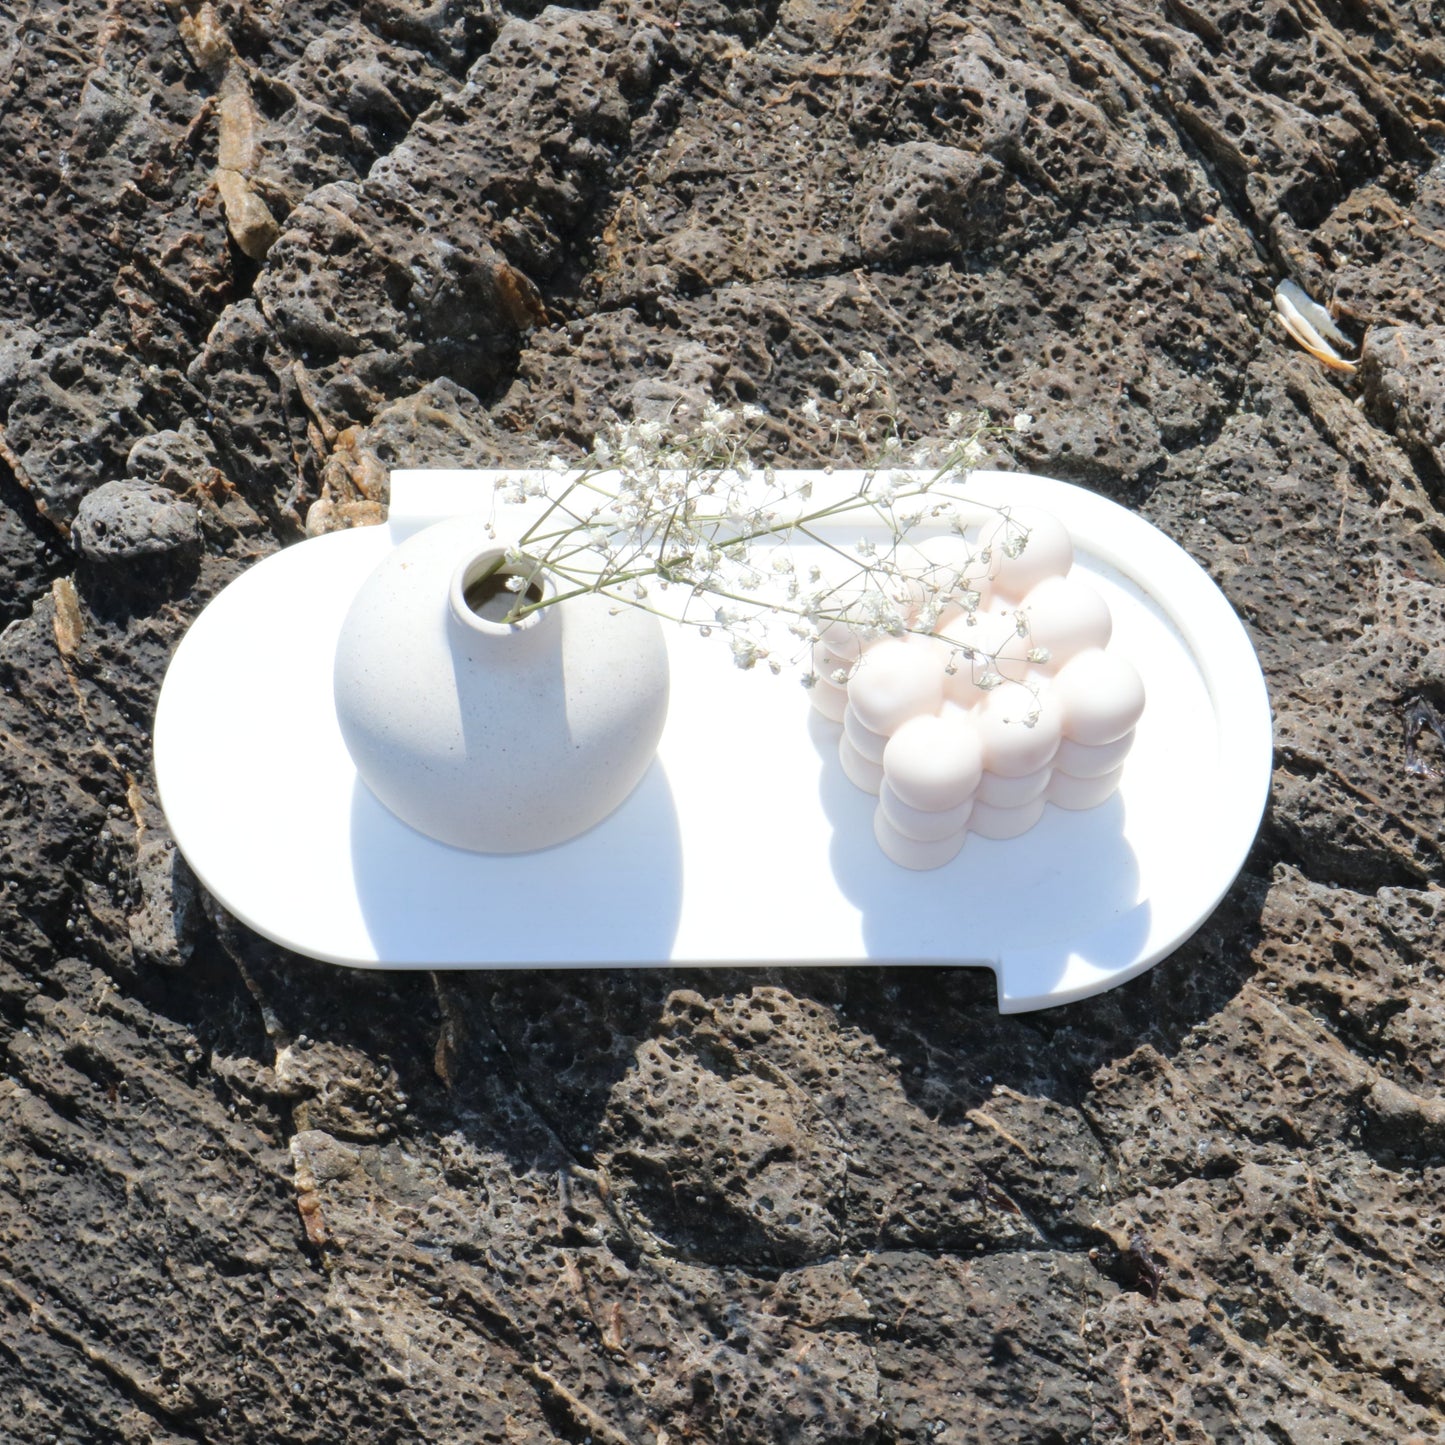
{"x":613,"y":894}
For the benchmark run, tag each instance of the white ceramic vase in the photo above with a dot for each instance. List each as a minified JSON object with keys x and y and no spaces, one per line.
{"x":489,"y":736}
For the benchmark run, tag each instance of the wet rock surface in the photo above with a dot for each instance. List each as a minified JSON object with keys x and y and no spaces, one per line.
{"x":254,"y":256}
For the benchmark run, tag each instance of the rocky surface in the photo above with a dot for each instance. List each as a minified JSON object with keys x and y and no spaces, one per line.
{"x":253,"y":255}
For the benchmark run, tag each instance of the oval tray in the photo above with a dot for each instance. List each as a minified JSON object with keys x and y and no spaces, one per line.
{"x":744,"y":844}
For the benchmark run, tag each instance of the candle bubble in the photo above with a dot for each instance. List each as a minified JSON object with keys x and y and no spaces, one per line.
{"x":923,"y":825}
{"x":1101,"y":695}
{"x":913,"y":852}
{"x":1020,"y":727}
{"x":1041,"y":545}
{"x":857,"y":769}
{"x":1081,"y":761}
{"x":934,"y":761}
{"x":1066,"y":616}
{"x":869,"y":744}
{"x":1000,"y":792}
{"x":896,"y":680}
{"x":1080,"y":793}
{"x":990,"y":822}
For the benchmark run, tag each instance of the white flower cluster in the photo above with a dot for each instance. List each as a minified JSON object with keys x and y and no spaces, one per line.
{"x":678,"y":506}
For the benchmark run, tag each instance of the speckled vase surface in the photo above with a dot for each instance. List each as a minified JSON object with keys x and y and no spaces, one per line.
{"x":492,"y":736}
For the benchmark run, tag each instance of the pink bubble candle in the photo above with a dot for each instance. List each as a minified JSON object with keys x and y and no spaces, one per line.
{"x":1015,"y":702}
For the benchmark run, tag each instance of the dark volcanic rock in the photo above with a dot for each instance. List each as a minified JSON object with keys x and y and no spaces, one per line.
{"x":1403,"y":369}
{"x":30,"y":553}
{"x":253,"y":257}
{"x":74,"y":414}
{"x":129,"y":522}
{"x":1384,"y":239}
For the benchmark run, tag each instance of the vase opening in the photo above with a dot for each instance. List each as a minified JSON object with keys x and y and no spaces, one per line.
{"x":483,"y":593}
{"x":492,"y":599}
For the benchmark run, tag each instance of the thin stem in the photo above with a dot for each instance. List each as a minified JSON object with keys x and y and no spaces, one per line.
{"x":678,"y":508}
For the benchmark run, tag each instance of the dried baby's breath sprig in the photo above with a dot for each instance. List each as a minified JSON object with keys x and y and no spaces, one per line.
{"x":674,"y":516}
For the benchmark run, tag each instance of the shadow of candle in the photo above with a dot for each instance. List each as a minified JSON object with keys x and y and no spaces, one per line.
{"x":1072,"y":876}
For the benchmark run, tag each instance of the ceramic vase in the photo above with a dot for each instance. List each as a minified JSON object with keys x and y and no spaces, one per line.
{"x":492,"y":736}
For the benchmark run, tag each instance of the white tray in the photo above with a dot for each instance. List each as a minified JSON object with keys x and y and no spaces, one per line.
{"x":744,"y":844}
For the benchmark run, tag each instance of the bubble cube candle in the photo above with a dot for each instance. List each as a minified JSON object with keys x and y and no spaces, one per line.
{"x":1004,"y":708}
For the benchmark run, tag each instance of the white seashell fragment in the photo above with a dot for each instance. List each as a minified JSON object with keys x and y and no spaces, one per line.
{"x":1311,"y":325}
{"x":1319,"y":318}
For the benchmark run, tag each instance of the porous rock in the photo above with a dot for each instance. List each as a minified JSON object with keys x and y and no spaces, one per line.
{"x":127,"y":523}
{"x":927,"y":200}
{"x":249,"y":1198}
{"x":1403,"y":369}
{"x":163,"y":926}
{"x":74,"y":413}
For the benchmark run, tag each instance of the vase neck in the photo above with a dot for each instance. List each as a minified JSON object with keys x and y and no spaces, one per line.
{"x":487,"y":587}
